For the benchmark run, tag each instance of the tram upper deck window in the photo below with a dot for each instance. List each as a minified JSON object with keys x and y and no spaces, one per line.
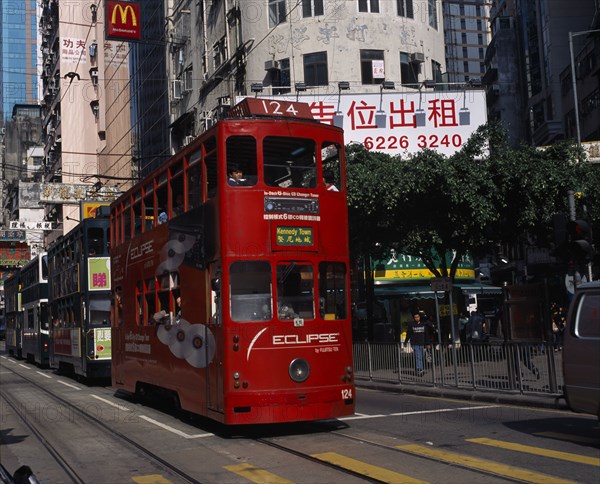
{"x":295,"y":291}
{"x":45,"y":267}
{"x":194,"y":180}
{"x":289,"y":162}
{"x":241,"y":154}
{"x":95,"y":242}
{"x":250,"y":291}
{"x":210,"y":161}
{"x":330,"y":160}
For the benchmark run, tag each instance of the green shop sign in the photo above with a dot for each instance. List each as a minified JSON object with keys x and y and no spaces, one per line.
{"x":407,"y":268}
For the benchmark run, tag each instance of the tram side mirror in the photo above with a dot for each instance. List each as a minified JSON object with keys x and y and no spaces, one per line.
{"x":216,"y":284}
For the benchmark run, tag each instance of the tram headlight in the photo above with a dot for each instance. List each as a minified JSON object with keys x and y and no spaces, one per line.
{"x":299,"y":370}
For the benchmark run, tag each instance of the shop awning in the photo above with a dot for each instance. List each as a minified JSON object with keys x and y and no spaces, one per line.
{"x":475,"y":288}
{"x":425,"y":291}
{"x":405,"y":291}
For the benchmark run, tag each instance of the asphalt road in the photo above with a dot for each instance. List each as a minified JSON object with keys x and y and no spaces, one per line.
{"x":393,"y":438}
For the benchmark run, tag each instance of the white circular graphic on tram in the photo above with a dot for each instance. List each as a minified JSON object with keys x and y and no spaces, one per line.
{"x":167,"y":333}
{"x":186,"y":240}
{"x":171,"y":256}
{"x":200,"y":346}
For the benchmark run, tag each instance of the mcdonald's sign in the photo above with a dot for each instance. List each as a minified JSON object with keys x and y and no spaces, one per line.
{"x":123,"y":20}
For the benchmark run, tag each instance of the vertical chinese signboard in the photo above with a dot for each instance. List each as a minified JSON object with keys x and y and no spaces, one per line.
{"x":99,"y":273}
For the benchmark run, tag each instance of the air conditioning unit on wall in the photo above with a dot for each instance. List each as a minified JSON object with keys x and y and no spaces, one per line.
{"x":271,"y":65}
{"x":417,"y":57}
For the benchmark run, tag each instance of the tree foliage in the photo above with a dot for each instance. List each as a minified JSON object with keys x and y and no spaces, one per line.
{"x":483,"y":195}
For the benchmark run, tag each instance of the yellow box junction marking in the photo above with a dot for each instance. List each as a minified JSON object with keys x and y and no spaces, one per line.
{"x":580,"y":439}
{"x":528,"y":449}
{"x":365,"y":469}
{"x":481,"y":464}
{"x":151,"y":479}
{"x":257,"y":475}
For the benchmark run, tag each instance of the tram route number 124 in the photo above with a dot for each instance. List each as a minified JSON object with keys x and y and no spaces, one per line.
{"x":346,"y":393}
{"x":432,"y":141}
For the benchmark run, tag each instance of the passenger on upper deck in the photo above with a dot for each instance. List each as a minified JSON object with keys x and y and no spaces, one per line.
{"x":236,"y":177}
{"x":328,"y":181}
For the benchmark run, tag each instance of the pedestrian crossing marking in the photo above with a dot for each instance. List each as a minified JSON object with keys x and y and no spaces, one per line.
{"x":489,"y":466}
{"x":151,"y":479}
{"x":580,"y":439}
{"x":528,"y":449}
{"x":375,"y":472}
{"x":257,"y":475}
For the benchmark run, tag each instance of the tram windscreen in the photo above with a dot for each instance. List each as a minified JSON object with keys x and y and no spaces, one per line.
{"x":295,"y":291}
{"x":99,"y":311}
{"x":289,"y":162}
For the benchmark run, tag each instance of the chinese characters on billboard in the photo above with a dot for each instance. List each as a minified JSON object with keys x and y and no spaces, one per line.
{"x":402,"y":122}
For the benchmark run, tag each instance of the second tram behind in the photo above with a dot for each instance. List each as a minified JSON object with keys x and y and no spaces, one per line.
{"x":79,"y":268}
{"x":34,"y":299}
{"x":13,"y":315}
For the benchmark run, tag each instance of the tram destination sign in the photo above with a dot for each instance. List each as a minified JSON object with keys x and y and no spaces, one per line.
{"x":294,"y":236}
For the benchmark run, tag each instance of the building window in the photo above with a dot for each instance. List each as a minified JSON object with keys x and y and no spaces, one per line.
{"x":368,"y":6}
{"x":433,"y":17}
{"x":277,"y":13}
{"x":405,"y":8}
{"x":280,"y":78}
{"x":315,"y":69}
{"x":409,"y":71}
{"x":312,"y":8}
{"x":436,"y":71}
{"x":504,"y":23}
{"x":219,"y":52}
{"x":372,"y":66}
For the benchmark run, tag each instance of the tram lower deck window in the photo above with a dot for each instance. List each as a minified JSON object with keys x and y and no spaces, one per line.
{"x":250,"y":291}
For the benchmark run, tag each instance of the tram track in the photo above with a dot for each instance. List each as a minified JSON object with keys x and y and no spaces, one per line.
{"x":114,"y":434}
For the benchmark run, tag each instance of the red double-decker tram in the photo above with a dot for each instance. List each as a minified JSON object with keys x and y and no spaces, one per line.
{"x":231,"y":275}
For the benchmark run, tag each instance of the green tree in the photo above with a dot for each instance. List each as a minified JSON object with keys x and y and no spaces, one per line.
{"x":484,"y":195}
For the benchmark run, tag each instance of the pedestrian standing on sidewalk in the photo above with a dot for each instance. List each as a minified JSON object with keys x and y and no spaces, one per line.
{"x":418,"y":335}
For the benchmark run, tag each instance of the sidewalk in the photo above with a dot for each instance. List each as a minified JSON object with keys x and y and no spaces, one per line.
{"x":504,"y":398}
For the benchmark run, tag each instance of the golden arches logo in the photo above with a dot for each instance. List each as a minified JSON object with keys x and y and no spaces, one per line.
{"x":124,"y":13}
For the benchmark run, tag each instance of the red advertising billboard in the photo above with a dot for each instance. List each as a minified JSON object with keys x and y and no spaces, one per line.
{"x":123,"y":20}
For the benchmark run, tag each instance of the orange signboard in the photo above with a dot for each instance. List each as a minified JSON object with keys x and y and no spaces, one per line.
{"x":123,"y":20}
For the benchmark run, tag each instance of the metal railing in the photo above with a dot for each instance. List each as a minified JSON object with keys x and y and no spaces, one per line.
{"x":504,"y":366}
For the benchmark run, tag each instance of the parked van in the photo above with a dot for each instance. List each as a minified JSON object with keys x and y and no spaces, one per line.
{"x":581,"y":351}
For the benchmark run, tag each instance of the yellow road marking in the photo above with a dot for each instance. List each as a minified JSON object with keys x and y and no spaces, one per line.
{"x":151,"y":479}
{"x":580,"y":439}
{"x":481,"y":464}
{"x":528,"y":449}
{"x":257,"y":475}
{"x":365,"y":469}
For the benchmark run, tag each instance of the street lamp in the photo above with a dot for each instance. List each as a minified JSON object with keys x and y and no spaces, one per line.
{"x":574,"y":81}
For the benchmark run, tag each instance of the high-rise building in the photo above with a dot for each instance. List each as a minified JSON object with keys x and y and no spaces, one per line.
{"x":150,"y":113}
{"x":19,"y":55}
{"x":467,"y":35}
{"x":86,"y":108}
{"x":528,"y":53}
